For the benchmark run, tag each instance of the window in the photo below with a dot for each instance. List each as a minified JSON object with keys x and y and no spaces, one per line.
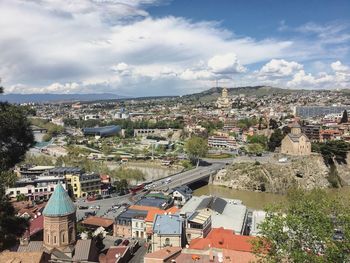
{"x":136,"y":224}
{"x":29,"y":191}
{"x":63,"y":238}
{"x":54,"y":239}
{"x":48,"y":238}
{"x":167,"y":242}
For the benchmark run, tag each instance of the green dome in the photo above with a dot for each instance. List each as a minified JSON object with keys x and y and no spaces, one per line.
{"x":59,"y":204}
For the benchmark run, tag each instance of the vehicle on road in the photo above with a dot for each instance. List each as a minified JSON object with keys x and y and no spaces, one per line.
{"x":107,"y":197}
{"x":125,"y":242}
{"x":118,"y":242}
{"x":83,"y":207}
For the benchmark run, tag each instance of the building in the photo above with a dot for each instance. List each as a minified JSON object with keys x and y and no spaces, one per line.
{"x":24,"y":257}
{"x":168,"y":230}
{"x":119,"y":254}
{"x":222,"y":245}
{"x":158,"y":200}
{"x":258,"y":217}
{"x":102,"y":131}
{"x":60,"y":234}
{"x":181,"y":195}
{"x":296,"y":142}
{"x":319,"y":111}
{"x":26,"y":171}
{"x":312,"y":132}
{"x":35,"y":188}
{"x":94,"y":222}
{"x":198,"y":225}
{"x":224,"y":100}
{"x":138,"y":226}
{"x":60,"y":222}
{"x":217,"y":141}
{"x":124,"y":222}
{"x":228,"y":213}
{"x":83,"y":185}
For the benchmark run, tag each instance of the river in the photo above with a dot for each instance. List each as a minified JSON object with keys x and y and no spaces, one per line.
{"x":253,"y":200}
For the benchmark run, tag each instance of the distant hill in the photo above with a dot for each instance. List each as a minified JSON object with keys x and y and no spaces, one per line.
{"x":42,"y":98}
{"x":214,"y":93}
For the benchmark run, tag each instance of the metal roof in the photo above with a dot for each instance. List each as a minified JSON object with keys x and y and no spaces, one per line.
{"x":199,"y":217}
{"x":102,"y":131}
{"x":59,"y":204}
{"x":167,"y":225}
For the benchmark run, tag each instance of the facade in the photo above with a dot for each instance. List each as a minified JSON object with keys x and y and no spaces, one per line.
{"x":312,"y":132}
{"x":198,"y":225}
{"x":168,"y":230}
{"x":224,"y":100}
{"x":296,"y":142}
{"x":181,"y":195}
{"x":123,"y":225}
{"x":83,"y":185}
{"x":60,"y":222}
{"x":138,"y":227}
{"x":221,"y":142}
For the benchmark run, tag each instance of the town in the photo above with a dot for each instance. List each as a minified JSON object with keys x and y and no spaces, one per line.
{"x":116,"y":180}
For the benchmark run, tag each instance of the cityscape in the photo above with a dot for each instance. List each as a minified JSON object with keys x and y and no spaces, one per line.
{"x":156,"y":131}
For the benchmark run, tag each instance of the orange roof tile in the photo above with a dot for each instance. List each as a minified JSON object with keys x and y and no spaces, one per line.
{"x":153,"y":211}
{"x":225,"y":239}
{"x":98,"y":221}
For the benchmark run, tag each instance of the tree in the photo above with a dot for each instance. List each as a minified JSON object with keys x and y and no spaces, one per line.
{"x":260,"y":139}
{"x":275,"y":140}
{"x":344,"y":118}
{"x":311,"y":226}
{"x":16,"y":138}
{"x":196,"y":148}
{"x":273,"y":125}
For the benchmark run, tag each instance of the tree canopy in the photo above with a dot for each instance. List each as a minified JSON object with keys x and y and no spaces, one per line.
{"x":311,"y":226}
{"x":15,"y":139}
{"x":196,"y":147}
{"x":275,"y":140}
{"x":344,"y":118}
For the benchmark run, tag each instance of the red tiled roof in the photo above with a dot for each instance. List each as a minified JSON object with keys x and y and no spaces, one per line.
{"x":36,"y":225}
{"x":98,"y":221}
{"x":164,"y":253}
{"x":153,"y":211}
{"x":225,"y":239}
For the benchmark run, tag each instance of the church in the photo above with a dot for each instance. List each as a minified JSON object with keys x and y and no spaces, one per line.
{"x":296,"y":142}
{"x":224,"y":100}
{"x":60,"y":242}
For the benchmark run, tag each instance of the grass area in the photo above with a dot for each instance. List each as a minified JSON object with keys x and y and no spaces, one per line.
{"x":219,"y":156}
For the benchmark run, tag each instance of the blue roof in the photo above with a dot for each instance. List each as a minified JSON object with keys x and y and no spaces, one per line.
{"x":168,"y":225}
{"x":59,"y":204}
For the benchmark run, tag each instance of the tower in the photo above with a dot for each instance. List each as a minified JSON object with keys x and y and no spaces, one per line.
{"x":296,"y":129}
{"x":224,"y":93}
{"x":60,"y":222}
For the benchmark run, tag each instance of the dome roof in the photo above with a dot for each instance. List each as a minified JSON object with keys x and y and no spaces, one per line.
{"x":59,"y":204}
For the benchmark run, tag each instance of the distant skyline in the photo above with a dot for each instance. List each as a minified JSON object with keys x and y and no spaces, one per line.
{"x":172,"y":47}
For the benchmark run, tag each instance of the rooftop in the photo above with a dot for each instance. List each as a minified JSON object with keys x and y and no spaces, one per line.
{"x":98,"y":221}
{"x":167,"y":225}
{"x":164,"y":254}
{"x":59,"y":204}
{"x":21,"y":257}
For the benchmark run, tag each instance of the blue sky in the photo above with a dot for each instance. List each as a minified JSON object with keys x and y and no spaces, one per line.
{"x":169,"y":47}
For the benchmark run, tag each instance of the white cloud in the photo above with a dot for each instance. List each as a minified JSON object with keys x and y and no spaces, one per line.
{"x":339,"y":67}
{"x":117,"y":46}
{"x":280,"y":68}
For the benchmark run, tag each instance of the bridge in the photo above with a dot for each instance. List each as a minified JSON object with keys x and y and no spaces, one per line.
{"x":201,"y":173}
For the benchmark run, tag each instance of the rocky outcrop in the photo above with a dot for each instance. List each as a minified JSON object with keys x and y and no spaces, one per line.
{"x":306,"y":172}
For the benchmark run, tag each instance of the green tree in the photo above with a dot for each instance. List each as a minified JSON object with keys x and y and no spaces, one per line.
{"x":273,"y":125}
{"x":344,"y":118}
{"x":260,"y":139}
{"x":275,"y":140}
{"x":16,"y":138}
{"x":196,"y":147}
{"x":310,"y":226}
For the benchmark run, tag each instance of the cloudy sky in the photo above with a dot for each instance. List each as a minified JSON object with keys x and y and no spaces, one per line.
{"x":172,"y":47}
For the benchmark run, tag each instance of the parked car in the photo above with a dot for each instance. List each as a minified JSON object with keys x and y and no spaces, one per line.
{"x":125,"y":242}
{"x":82,"y":207}
{"x":106,"y":197}
{"x":117,"y":242}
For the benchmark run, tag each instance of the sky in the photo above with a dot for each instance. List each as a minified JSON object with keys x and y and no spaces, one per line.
{"x":172,"y":47}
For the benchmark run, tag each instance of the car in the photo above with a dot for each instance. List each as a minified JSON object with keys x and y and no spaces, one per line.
{"x":82,"y":207}
{"x":107,"y":197}
{"x":125,"y":242}
{"x":118,"y":242}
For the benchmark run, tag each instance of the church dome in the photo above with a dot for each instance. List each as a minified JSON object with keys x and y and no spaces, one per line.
{"x":59,"y":204}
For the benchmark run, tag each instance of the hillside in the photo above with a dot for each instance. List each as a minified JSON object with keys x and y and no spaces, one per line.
{"x":214,"y":93}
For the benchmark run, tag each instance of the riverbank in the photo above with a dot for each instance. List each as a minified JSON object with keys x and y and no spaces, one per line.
{"x":254,"y":200}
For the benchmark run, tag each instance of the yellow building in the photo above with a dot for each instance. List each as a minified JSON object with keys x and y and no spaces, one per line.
{"x":296,"y":142}
{"x":83,"y":185}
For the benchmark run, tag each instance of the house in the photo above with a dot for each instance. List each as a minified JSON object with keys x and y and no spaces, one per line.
{"x":198,"y":225}
{"x":168,"y":230}
{"x":181,"y":195}
{"x":123,"y":223}
{"x":296,"y":142}
{"x":24,"y":257}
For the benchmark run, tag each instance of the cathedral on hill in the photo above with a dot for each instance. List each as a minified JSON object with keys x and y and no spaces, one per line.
{"x":223,"y":101}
